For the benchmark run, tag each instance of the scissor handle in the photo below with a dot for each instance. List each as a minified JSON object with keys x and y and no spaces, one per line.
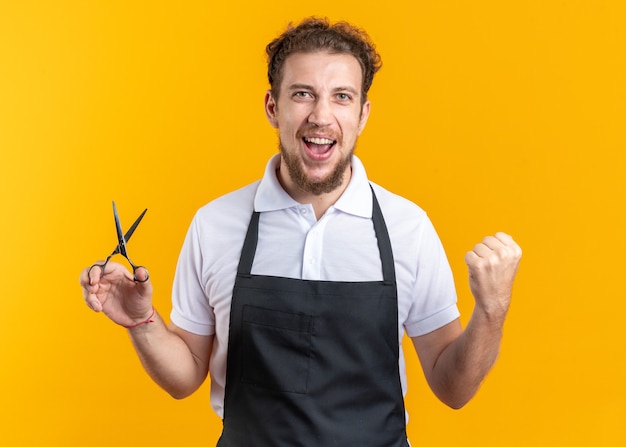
{"x":135,"y":267}
{"x":101,"y":266}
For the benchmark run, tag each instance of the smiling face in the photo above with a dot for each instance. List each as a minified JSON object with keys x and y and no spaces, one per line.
{"x":319,"y":116}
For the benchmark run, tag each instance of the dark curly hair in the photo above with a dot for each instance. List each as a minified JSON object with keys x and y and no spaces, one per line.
{"x":318,"y":34}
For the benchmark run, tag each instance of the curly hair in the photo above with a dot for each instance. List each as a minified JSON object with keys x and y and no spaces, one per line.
{"x":318,"y":34}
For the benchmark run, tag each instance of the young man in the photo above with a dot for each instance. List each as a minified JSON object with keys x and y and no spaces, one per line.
{"x":294,"y":292}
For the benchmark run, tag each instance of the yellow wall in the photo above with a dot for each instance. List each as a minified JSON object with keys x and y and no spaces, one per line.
{"x":491,"y":115}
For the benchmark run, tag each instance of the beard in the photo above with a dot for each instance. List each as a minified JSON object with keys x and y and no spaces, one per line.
{"x":316,"y":187}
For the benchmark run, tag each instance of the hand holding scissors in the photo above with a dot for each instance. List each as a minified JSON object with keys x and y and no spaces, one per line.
{"x":121,"y":246}
{"x":107,"y":286}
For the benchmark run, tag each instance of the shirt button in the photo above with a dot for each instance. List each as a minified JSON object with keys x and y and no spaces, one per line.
{"x":303,"y":210}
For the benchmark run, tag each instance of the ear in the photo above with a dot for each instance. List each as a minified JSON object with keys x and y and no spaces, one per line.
{"x":365,"y":113}
{"x":270,"y":109}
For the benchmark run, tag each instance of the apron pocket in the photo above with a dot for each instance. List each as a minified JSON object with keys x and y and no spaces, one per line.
{"x":276,"y":349}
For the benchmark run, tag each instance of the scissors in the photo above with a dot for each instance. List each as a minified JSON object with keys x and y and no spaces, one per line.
{"x":121,"y":245}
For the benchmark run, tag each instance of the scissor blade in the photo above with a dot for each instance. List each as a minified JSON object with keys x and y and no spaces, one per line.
{"x":130,"y":231}
{"x":121,"y":240}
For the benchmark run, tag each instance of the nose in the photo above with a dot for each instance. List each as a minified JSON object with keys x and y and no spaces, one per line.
{"x":321,"y":114}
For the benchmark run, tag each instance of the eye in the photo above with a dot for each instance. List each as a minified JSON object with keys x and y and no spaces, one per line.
{"x":302,"y":94}
{"x":344,"y":97}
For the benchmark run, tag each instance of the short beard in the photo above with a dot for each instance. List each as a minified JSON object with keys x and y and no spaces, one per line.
{"x":305,"y":184}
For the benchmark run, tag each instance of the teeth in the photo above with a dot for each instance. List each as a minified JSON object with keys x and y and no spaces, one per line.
{"x":319,"y":140}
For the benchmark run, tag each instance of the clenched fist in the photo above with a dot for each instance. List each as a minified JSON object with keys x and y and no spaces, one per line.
{"x":492,"y":267}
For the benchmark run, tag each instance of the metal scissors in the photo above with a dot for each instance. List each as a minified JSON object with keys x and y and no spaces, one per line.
{"x":121,"y":245}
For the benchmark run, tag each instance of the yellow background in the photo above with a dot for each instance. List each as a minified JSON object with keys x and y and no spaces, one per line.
{"x":491,"y":115}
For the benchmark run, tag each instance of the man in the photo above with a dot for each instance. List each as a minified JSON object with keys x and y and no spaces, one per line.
{"x":294,"y":292}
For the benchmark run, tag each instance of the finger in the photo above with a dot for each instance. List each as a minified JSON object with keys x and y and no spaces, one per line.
{"x":471,"y":258}
{"x":93,"y":303}
{"x":143,"y":285}
{"x":513,"y":248}
{"x":504,"y":238}
{"x":90,"y":282}
{"x":482,"y":250}
{"x":504,"y":245}
{"x":492,"y":242}
{"x":141,"y":274}
{"x":94,"y":273}
{"x":83,"y":279}
{"x":90,"y":297}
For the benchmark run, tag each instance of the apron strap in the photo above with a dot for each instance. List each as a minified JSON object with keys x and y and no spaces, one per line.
{"x":384,"y":244}
{"x":249,"y":246}
{"x":380,"y":228}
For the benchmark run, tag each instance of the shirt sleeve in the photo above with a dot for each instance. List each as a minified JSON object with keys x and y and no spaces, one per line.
{"x":434,"y":293}
{"x":191,"y":310}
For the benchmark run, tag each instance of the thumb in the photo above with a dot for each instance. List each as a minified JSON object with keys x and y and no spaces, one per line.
{"x":141,"y":275}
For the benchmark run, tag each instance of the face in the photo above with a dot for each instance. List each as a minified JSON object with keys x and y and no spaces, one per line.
{"x":319,"y":117}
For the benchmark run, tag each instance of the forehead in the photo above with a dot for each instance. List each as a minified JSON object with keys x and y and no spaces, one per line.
{"x":322,"y":69}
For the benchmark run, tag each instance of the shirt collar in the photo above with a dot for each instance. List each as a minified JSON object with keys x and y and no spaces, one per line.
{"x":356,"y":199}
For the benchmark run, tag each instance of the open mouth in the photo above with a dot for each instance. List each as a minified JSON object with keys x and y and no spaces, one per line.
{"x":318,"y":147}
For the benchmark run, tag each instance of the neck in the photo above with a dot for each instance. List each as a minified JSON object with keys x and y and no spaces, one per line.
{"x":320,"y":202}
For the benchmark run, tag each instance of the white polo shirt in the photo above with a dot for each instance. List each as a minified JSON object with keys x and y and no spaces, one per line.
{"x":340,"y":246}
